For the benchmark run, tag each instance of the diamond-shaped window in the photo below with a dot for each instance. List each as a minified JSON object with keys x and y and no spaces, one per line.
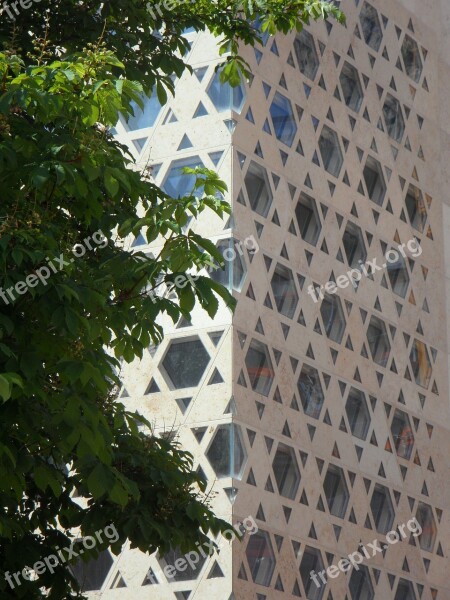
{"x":233,"y":274}
{"x":354,"y":246}
{"x":224,"y":97}
{"x":310,"y":390}
{"x":185,"y":362}
{"x":264,"y":35}
{"x":308,"y":219}
{"x":426,"y":520}
{"x":227,"y":453}
{"x":360,"y":585}
{"x":177,"y":183}
{"x":393,"y":117}
{"x":371,"y":26}
{"x":357,"y":413}
{"x":402,"y":434}
{"x":336,"y":491}
{"x":259,"y":367}
{"x":286,"y":471}
{"x":146,"y":117}
{"x":305,"y":50}
{"x":91,"y":575}
{"x":189,"y":571}
{"x":382,"y":509}
{"x":374,"y":178}
{"x":333,"y":317}
{"x":411,"y":58}
{"x":421,"y":365}
{"x":330,"y":151}
{"x":258,"y":189}
{"x":284,"y":291}
{"x":415,"y":206}
{"x":312,"y":563}
{"x":405,"y":590}
{"x":283,"y":119}
{"x":379,"y":344}
{"x":398,"y":276}
{"x":261,"y":558}
{"x":351,"y":87}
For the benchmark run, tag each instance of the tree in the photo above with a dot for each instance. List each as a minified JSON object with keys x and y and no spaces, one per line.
{"x":74,"y":301}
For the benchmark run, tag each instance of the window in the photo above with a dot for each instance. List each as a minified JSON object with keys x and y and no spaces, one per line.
{"x":233,"y":274}
{"x":261,"y":559}
{"x":420,"y":362}
{"x":411,"y":58}
{"x":336,"y":491}
{"x":263,"y":35}
{"x":357,"y":413}
{"x":286,"y":471}
{"x":226,"y":452}
{"x":330,"y":151}
{"x":371,"y":26}
{"x":308,"y":219}
{"x":333,"y":318}
{"x":188,"y":573}
{"x":258,"y":189}
{"x":91,"y":575}
{"x":402,"y":434}
{"x":382,"y":511}
{"x":147,"y":116}
{"x":354,"y":246}
{"x":179,"y":184}
{"x":398,"y":276}
{"x":224,"y":97}
{"x":351,"y":87}
{"x":259,"y":367}
{"x":306,"y":54}
{"x":283,"y":119}
{"x":379,"y":344}
{"x":185,"y":362}
{"x":360,"y":586}
{"x":374,"y":178}
{"x":393,"y":117}
{"x":310,"y":390}
{"x":416,"y":208}
{"x":426,"y":520}
{"x":405,"y":591}
{"x":311,"y":561}
{"x":284,"y":291}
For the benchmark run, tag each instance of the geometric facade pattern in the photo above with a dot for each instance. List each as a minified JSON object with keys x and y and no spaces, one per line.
{"x":325,"y":421}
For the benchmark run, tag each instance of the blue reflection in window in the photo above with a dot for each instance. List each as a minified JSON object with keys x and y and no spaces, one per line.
{"x":178,"y":183}
{"x":283,"y":119}
{"x":146,"y":117}
{"x":224,"y":97}
{"x":263,"y":35}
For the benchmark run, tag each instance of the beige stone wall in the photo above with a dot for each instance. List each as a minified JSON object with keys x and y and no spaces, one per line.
{"x":264,"y":349}
{"x":318,"y":442}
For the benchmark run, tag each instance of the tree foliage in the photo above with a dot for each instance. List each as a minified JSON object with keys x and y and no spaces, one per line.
{"x":68,"y":69}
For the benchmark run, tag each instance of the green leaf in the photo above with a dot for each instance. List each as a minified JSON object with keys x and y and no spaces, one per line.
{"x":5,"y":388}
{"x":161,"y":93}
{"x":111,"y":183}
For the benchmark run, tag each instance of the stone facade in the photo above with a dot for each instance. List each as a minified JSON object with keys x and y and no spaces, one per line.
{"x":321,"y":414}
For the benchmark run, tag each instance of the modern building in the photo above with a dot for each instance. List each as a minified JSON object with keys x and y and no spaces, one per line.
{"x":323,"y":415}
